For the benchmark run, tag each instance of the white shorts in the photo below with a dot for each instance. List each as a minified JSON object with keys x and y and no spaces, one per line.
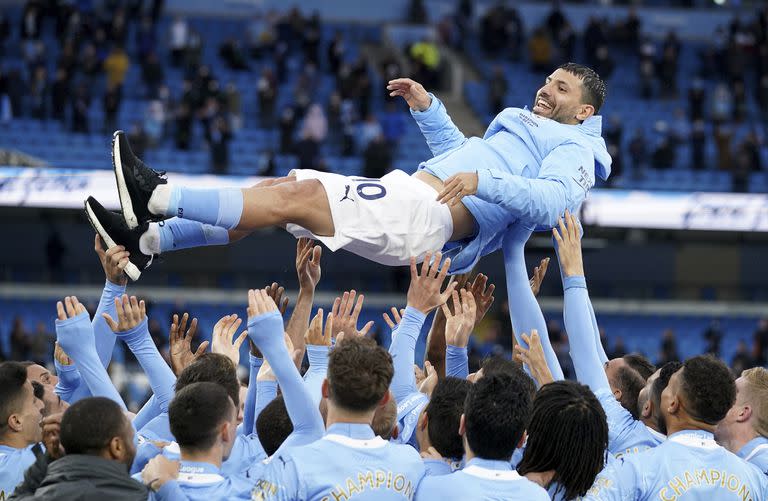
{"x":386,"y":220}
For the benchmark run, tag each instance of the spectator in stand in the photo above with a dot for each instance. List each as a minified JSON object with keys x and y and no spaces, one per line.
{"x":116,"y":66}
{"x":60,"y":94}
{"x":311,"y":39}
{"x":594,"y":37}
{"x":349,"y":125}
{"x":680,"y":127}
{"x":261,"y":35}
{"x":5,"y":31}
{"x":647,"y":69}
{"x":154,"y":123}
{"x":111,"y":104}
{"x":183,"y":131}
{"x":336,"y":52}
{"x":742,"y":359}
{"x":146,"y":41}
{"x":566,"y":43}
{"x":713,"y":335}
{"x":287,"y":126}
{"x":179,"y":40}
{"x":698,"y":145}
{"x":619,"y":350}
{"x":722,"y":104}
{"x":139,"y":139}
{"x":497,"y":90}
{"x":152,"y":73}
{"x":34,"y":54}
{"x":31,"y":21}
{"x":370,"y":129}
{"x":426,"y":55}
{"x":392,"y":125}
{"x":697,"y":97}
{"x":40,"y":343}
{"x":669,"y":351}
{"x":80,"y":106}
{"x":378,"y":158}
{"x":233,"y":106}
{"x":303,"y":92}
{"x":663,"y":156}
{"x":19,"y":340}
{"x":604,"y":63}
{"x":723,"y":144}
{"x":266,"y":89}
{"x":218,"y":142}
{"x":555,"y":20}
{"x":613,"y":140}
{"x":739,"y":100}
{"x":417,"y":12}
{"x":540,"y":51}
{"x":762,"y":97}
{"x":38,"y":94}
{"x":638,"y":148}
{"x":760,"y":342}
{"x":667,"y":73}
{"x":233,"y":55}
{"x":315,"y":127}
{"x":118,"y":30}
{"x":16,"y":88}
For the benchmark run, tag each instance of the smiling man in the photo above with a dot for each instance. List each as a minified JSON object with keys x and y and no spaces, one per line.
{"x":530,"y":167}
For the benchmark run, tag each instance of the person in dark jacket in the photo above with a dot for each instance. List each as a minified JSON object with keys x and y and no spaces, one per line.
{"x":87,"y":459}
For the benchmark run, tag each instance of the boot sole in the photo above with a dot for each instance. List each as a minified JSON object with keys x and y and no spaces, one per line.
{"x":122,"y":189}
{"x":130,"y":269}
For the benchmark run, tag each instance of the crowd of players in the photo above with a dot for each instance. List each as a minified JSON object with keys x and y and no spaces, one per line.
{"x":364,"y":423}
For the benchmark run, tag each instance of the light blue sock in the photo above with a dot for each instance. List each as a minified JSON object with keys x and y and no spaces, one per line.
{"x":177,"y":234}
{"x":219,"y":207}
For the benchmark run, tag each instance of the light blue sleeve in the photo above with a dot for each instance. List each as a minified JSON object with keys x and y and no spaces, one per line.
{"x":76,"y":337}
{"x":266,"y":331}
{"x":145,"y":450}
{"x":621,"y":481}
{"x":436,"y":467}
{"x":170,"y":491}
{"x":148,"y":411}
{"x":581,"y":335}
{"x":161,"y":377}
{"x":318,"y":369}
{"x":265,"y":393}
{"x":249,"y":409}
{"x":105,"y":338}
{"x":437,"y":127}
{"x":456,"y":362}
{"x":564,"y":178}
{"x":403,"y":349}
{"x":69,"y":380}
{"x":524,"y":310}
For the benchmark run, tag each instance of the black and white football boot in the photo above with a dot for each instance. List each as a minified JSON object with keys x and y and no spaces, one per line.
{"x":135,"y":182}
{"x":113,"y":231}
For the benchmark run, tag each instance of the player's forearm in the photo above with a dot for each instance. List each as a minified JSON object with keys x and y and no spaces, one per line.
{"x":161,"y":377}
{"x":456,"y":362}
{"x":266,"y":391}
{"x":266,"y":332}
{"x":148,"y":411}
{"x":578,"y":325}
{"x":76,"y":338}
{"x":69,"y":380}
{"x":249,"y":408}
{"x":524,"y":310}
{"x":534,"y":202}
{"x":436,"y":344}
{"x":299,"y":321}
{"x":105,"y":338}
{"x":403,"y":349}
{"x":318,"y":369}
{"x":438,"y":129}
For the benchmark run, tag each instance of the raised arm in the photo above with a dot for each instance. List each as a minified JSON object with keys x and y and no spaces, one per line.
{"x":577,"y":313}
{"x":308,"y":270}
{"x":75,"y":334}
{"x":318,"y":343}
{"x":458,"y":327}
{"x":132,"y":328}
{"x":430,"y":114}
{"x":69,"y":377}
{"x":113,"y":261}
{"x":524,"y":310}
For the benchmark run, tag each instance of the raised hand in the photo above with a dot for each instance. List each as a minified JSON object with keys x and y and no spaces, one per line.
{"x":567,"y":235}
{"x":539,"y":273}
{"x":413,"y":93}
{"x":533,"y":357}
{"x":51,"y":426}
{"x":457,"y":187}
{"x":113,"y":261}
{"x":424,"y":293}
{"x":158,"y":471}
{"x":308,"y":263}
{"x":346,"y":313}
{"x":130,"y":313}
{"x":265,"y":373}
{"x":316,"y":335}
{"x":397,"y":317}
{"x":459,"y":324}
{"x":427,"y":386}
{"x":259,"y":303}
{"x":181,"y":344}
{"x":70,"y":308}
{"x":223,"y":334}
{"x":60,"y":355}
{"x":483,"y":296}
{"x":276,"y":292}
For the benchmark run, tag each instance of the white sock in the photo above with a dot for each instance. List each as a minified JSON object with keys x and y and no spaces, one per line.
{"x":149,"y":241}
{"x":160,"y":199}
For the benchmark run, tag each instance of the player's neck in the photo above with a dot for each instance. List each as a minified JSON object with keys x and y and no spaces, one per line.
{"x":741,"y":435}
{"x":542,"y":478}
{"x":650,"y":423}
{"x":14,"y":440}
{"x":684,"y":422}
{"x":211,"y":456}
{"x":341,"y":416}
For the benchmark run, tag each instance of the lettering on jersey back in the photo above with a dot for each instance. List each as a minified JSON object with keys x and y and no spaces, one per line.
{"x":720,"y":479}
{"x":371,"y":480}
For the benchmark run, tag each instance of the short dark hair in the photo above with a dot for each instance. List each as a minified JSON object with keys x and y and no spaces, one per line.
{"x":665,"y":373}
{"x":709,"y":388}
{"x":568,"y":433}
{"x":359,"y":374}
{"x":212,"y":368}
{"x":196,"y":412}
{"x":500,"y":365}
{"x":630,"y":382}
{"x":496,"y":413}
{"x":444,"y":411}
{"x":273,"y":425}
{"x":641,"y":364}
{"x":90,"y":424}
{"x":593,"y":87}
{"x":13,"y":377}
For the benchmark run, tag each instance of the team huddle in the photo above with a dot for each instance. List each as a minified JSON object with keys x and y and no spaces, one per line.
{"x":362,"y":422}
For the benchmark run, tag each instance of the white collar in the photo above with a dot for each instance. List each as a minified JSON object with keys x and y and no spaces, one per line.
{"x":489,"y":474}
{"x":694,"y":440}
{"x":357,"y":443}
{"x":757,"y":449}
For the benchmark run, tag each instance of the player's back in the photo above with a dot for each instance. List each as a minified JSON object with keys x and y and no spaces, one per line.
{"x":13,"y":464}
{"x":481,"y":480}
{"x":343,"y":466}
{"x":689,"y":466}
